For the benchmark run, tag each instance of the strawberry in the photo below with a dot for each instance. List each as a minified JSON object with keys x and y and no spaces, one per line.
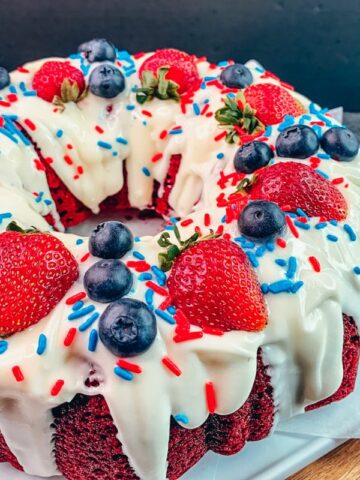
{"x":59,"y":80}
{"x":297,"y":185}
{"x":168,"y":73}
{"x":36,"y":271}
{"x":214,"y":285}
{"x":272,"y":102}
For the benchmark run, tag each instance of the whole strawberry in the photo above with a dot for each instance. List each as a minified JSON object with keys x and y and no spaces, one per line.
{"x":272,"y":102}
{"x":36,"y":271}
{"x":168,"y":73}
{"x":214,"y":285}
{"x":296,"y":185}
{"x":59,"y":80}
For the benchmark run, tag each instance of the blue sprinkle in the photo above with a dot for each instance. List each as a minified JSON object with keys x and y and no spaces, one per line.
{"x":145,"y":276}
{"x":134,"y":88}
{"x":260,"y":251}
{"x":265,"y":288}
{"x":356,"y":270}
{"x":280,"y":286}
{"x":220,"y":156}
{"x":253,"y":260}
{"x":173,"y":220}
{"x":165,"y":316}
{"x":246,"y":244}
{"x":324,"y":156}
{"x":292,"y":264}
{"x":304,"y":118}
{"x":259,"y":69}
{"x":146,"y":171}
{"x":270,"y":246}
{"x":350,"y":232}
{"x":222,"y":63}
{"x":169,"y":227}
{"x":333,"y":222}
{"x":59,"y":133}
{"x":182,"y":418}
{"x":115,"y":154}
{"x":4,"y":216}
{"x":325,"y":119}
{"x":281,"y":262}
{"x":105,"y":145}
{"x":8,"y":135}
{"x":317,"y":130}
{"x":159,"y":274}
{"x":297,"y":286}
{"x":209,"y":79}
{"x":130,"y":72}
{"x":78,"y":305}
{"x":79,"y":241}
{"x":196,"y":108}
{"x":81,"y":313}
{"x":149,"y":295}
{"x":48,"y":202}
{"x":122,"y":373}
{"x":12,"y":89}
{"x":332,"y":238}
{"x":304,"y":226}
{"x":122,"y":140}
{"x":39,"y":197}
{"x":42,"y":342}
{"x":171,"y":309}
{"x":320,"y":225}
{"x":85,"y":325}
{"x":301,"y":212}
{"x":130,"y":107}
{"x":268,"y":131}
{"x":3,"y":346}
{"x":175,"y":132}
{"x":22,"y":86}
{"x":93,"y":340}
{"x":136,"y":239}
{"x":323,"y":174}
{"x":223,"y":219}
{"x":30,"y":93}
{"x":138,"y":255}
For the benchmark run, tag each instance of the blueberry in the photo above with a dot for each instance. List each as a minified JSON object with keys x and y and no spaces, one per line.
{"x":340,"y":143}
{"x":251,"y":156}
{"x":98,"y":50}
{"x":298,"y":141}
{"x":4,"y":78}
{"x":236,"y":76}
{"x":106,"y":81}
{"x":110,"y":240}
{"x":261,"y":221}
{"x":107,"y":280}
{"x":127,"y":327}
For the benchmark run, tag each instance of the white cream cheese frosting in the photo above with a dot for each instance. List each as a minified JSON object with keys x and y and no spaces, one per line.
{"x":303,"y":339}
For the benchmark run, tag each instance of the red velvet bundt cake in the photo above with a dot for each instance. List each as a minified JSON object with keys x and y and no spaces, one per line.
{"x":124,"y":357}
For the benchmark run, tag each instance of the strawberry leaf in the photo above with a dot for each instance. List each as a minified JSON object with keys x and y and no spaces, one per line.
{"x":157,"y":87}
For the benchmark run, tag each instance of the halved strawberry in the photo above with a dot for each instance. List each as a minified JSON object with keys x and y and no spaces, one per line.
{"x":272,"y":102}
{"x":36,"y":271}
{"x":297,"y":185}
{"x":59,"y":80}
{"x":214,"y":285}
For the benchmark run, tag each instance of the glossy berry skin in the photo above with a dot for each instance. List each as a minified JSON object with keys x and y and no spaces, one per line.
{"x":214,"y":285}
{"x":110,"y":240}
{"x":272,"y":102}
{"x":4,"y":78}
{"x":106,"y":81}
{"x":261,"y":221}
{"x":252,"y":156}
{"x":340,"y":143}
{"x":127,"y":327}
{"x":49,"y":78}
{"x":236,"y":76}
{"x":98,"y":50}
{"x":297,"y":141}
{"x":295,"y":185}
{"x":182,"y":71}
{"x":36,"y":271}
{"x":107,"y":280}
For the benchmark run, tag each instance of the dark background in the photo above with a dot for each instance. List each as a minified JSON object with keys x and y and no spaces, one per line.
{"x":314,"y":45}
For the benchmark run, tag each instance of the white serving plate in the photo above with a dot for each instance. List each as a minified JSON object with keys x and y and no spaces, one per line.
{"x":274,"y":458}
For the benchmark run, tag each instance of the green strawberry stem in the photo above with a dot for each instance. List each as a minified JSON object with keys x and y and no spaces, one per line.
{"x":236,"y":115}
{"x":166,"y":259}
{"x":157,"y":86}
{"x":245,"y":185}
{"x":69,"y":93}
{"x":14,"y":227}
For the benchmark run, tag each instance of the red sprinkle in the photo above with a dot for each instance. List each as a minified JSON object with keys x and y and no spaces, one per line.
{"x":39,"y":166}
{"x":132,"y":367}
{"x":186,"y":336}
{"x":205,"y":109}
{"x":80,"y":170}
{"x":99,"y":129}
{"x":75,"y":298}
{"x":163,"y":134}
{"x":146,"y":113}
{"x":171,"y":366}
{"x":69,"y":146}
{"x":337,"y":181}
{"x":12,"y":97}
{"x":57,"y":388}
{"x":4,"y":104}
{"x":22,"y":70}
{"x":226,"y":236}
{"x":156,"y":157}
{"x":30,"y":124}
{"x":70,"y":337}
{"x":292,"y":227}
{"x":166,"y":303}
{"x":220,"y":136}
{"x":281,"y":242}
{"x":315,"y":264}
{"x":139,"y":266}
{"x":156,"y":288}
{"x":68,"y":159}
{"x":213,"y":331}
{"x":85,"y":257}
{"x":210,"y":397}
{"x":181,"y":320}
{"x":187,"y":222}
{"x":207,"y":220}
{"x":18,"y":374}
{"x":220,"y":230}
